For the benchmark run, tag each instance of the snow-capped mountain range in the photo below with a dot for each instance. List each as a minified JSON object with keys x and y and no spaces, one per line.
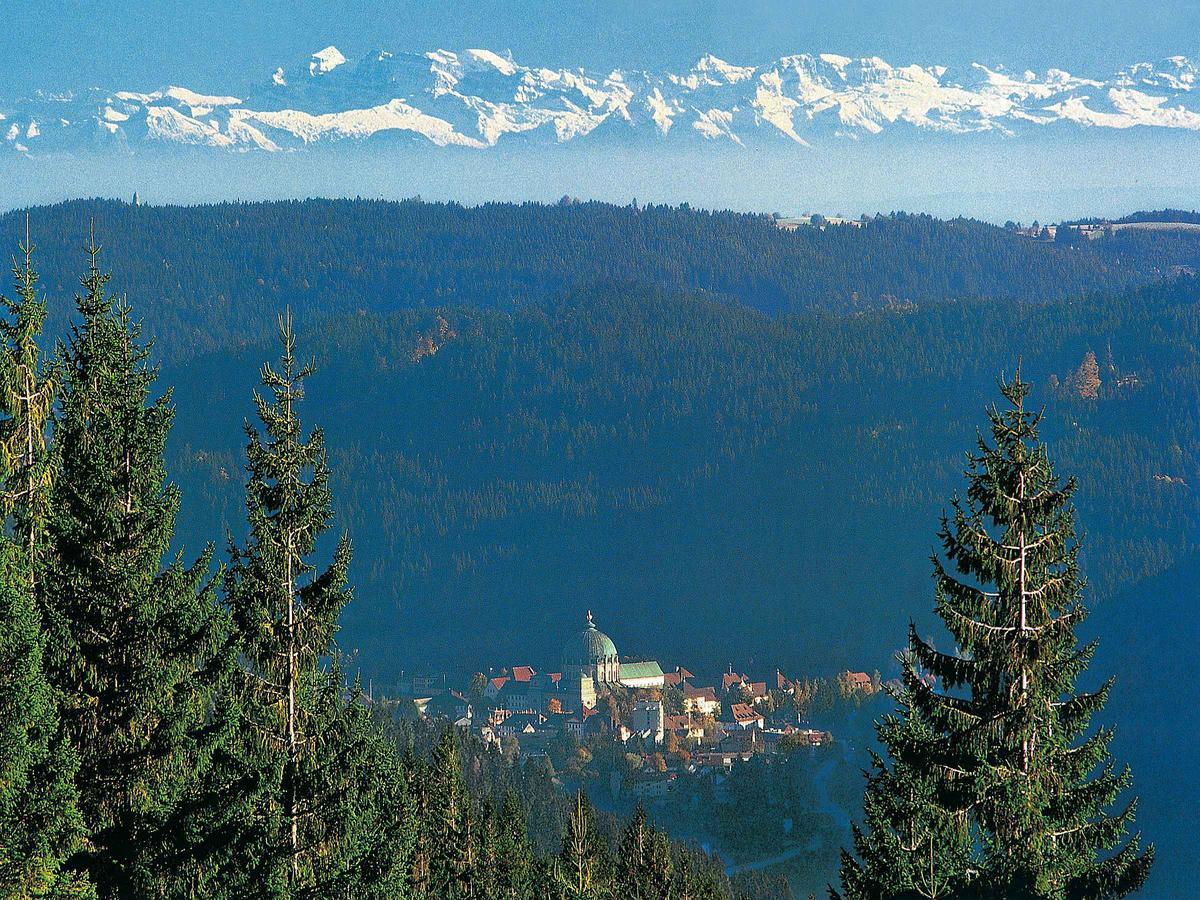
{"x":478,"y":99}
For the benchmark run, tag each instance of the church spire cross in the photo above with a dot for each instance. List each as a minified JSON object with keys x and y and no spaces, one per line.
{"x":589,"y":619}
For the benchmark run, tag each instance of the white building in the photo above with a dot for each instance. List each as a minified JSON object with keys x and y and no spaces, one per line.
{"x":647,"y":720}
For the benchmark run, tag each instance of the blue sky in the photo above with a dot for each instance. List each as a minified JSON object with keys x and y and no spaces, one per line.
{"x":67,"y":45}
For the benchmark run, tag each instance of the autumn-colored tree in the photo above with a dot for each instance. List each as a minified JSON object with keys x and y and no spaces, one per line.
{"x":478,"y":684}
{"x":1087,"y":377}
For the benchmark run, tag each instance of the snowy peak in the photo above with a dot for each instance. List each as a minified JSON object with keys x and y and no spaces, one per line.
{"x":712,"y":71}
{"x":326,"y":60}
{"x":477,"y":98}
{"x":488,"y":58}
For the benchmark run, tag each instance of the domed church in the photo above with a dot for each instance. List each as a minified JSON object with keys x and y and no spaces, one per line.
{"x":592,"y":653}
{"x":591,"y":666}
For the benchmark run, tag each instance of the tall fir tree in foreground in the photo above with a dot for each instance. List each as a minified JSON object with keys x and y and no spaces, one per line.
{"x":40,"y":826}
{"x":998,"y":785}
{"x":583,"y":868}
{"x":514,"y":864}
{"x":133,"y":648}
{"x":644,"y":860}
{"x":330,"y":814}
{"x":447,"y":835}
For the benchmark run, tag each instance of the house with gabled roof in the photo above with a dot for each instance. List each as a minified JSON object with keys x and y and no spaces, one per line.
{"x":520,"y":723}
{"x":851,"y":682}
{"x":517,"y":696}
{"x":678,"y":677}
{"x":602,"y":723}
{"x":684,"y":726}
{"x":756,"y":689}
{"x":451,"y":706}
{"x":575,"y":722}
{"x":729,"y":679}
{"x":745,"y":716}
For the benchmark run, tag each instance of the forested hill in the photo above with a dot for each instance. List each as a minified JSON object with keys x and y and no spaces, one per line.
{"x":207,"y":277}
{"x":709,"y":480}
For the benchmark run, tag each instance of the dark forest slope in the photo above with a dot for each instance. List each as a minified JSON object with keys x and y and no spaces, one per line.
{"x":207,"y":277}
{"x":707,"y":479}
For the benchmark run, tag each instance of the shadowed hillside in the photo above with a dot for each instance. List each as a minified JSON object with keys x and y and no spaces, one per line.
{"x":708,"y":479}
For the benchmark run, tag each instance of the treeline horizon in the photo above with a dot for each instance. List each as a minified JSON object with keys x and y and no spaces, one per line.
{"x":214,"y":275}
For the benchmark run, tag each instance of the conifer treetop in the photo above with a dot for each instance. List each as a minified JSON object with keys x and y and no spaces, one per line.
{"x":27,"y":393}
{"x":997,"y":780}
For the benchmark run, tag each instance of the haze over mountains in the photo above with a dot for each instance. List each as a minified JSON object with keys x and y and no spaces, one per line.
{"x":478,"y":98}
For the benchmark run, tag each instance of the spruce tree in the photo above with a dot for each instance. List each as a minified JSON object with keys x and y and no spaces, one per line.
{"x":514,"y":856}
{"x":644,"y":865}
{"x":40,"y":826}
{"x":914,"y":841}
{"x":27,"y":395}
{"x":132,"y":648}
{"x":697,"y":877}
{"x":364,"y":828}
{"x":417,"y":777}
{"x":447,"y":823}
{"x":583,"y":868}
{"x":322,"y":819}
{"x":485,"y":863}
{"x":999,"y":774}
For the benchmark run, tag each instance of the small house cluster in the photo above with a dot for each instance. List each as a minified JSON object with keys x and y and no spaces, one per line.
{"x":678,"y":722}
{"x":815,"y":220}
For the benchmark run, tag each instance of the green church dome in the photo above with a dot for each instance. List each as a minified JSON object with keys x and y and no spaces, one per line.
{"x":588,"y":647}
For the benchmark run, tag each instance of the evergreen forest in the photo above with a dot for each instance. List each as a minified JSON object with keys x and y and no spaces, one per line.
{"x":287,"y":453}
{"x":175,"y":730}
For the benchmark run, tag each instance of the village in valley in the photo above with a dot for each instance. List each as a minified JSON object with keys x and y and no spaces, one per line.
{"x":670,"y":727}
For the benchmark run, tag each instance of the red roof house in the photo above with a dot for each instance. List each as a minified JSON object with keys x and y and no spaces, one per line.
{"x":729,"y":679}
{"x":745,"y":716}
